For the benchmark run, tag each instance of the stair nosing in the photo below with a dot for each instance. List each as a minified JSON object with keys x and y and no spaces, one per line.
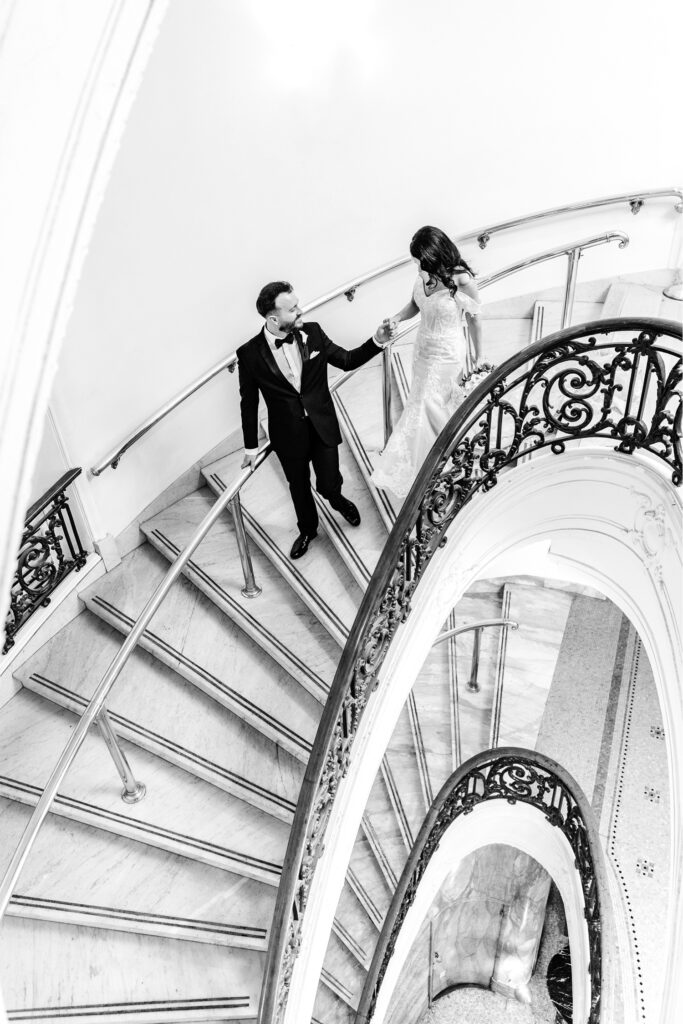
{"x":187,"y":759}
{"x":151,"y":642}
{"x":176,"y":842}
{"x":317,"y":686}
{"x":165,"y":925}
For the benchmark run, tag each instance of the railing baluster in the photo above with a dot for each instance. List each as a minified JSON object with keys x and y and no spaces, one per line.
{"x":250,"y":588}
{"x":386,"y":392}
{"x":573,"y":258}
{"x":133,"y":791}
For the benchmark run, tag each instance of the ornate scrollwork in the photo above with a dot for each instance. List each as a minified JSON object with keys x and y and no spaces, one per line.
{"x":513,"y":778}
{"x":50,"y":549}
{"x":619,"y":381}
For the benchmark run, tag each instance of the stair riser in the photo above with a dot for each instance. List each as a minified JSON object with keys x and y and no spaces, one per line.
{"x":188,"y":760}
{"x":194,"y":674}
{"x":96,"y":918}
{"x":119,"y":825}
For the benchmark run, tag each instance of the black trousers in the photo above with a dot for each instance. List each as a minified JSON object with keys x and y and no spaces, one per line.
{"x":328,"y":480}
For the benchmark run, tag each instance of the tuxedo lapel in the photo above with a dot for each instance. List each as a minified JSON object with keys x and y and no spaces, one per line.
{"x":269,"y":359}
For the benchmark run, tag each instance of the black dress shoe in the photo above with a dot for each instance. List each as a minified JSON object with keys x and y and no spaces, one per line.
{"x":348,"y":510}
{"x":300,"y":545}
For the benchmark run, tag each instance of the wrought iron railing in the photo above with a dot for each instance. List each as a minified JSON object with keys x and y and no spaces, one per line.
{"x":516,"y":776}
{"x":614,"y":381}
{"x":50,"y":549}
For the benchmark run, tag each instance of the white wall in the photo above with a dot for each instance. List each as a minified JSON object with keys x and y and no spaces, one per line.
{"x":309,"y":140}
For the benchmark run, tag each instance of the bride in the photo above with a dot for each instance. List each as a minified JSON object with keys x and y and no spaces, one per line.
{"x":445,"y":290}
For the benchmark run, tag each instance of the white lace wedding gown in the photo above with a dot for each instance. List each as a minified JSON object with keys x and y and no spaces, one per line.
{"x":439,"y":362}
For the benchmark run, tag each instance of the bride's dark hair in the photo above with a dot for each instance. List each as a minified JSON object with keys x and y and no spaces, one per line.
{"x":438,"y":256}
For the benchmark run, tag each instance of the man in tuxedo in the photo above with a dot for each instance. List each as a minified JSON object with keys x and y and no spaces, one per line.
{"x":287,"y":362}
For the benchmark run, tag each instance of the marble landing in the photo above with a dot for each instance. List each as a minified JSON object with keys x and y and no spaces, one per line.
{"x":96,"y":974}
{"x":277,"y":618}
{"x":531,"y":657}
{"x":320,"y":578}
{"x":153,"y":706}
{"x":124,"y":885}
{"x":180,"y":812}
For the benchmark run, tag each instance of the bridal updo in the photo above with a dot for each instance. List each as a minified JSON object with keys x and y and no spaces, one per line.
{"x":438,"y":256}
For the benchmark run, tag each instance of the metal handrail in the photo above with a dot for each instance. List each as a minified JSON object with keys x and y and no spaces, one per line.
{"x":448,"y":633}
{"x":481,"y":235}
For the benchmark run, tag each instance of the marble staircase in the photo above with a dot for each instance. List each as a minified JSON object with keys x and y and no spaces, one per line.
{"x":160,"y":910}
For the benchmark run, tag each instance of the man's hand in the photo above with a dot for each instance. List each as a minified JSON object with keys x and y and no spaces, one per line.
{"x":249,"y":460}
{"x":386,"y":331}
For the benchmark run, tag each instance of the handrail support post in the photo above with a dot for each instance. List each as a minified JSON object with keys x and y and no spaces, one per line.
{"x":250,"y":588}
{"x":133,"y":791}
{"x":573,"y":257}
{"x":386,"y":392}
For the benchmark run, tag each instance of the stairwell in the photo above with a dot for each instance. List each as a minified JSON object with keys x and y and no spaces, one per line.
{"x":160,"y":911}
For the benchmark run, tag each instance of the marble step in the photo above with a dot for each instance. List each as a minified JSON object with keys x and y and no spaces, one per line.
{"x":383,"y":832}
{"x":359,"y":408}
{"x":180,"y":813}
{"x":367,"y":881}
{"x":406,"y":774}
{"x":277,"y":620}
{"x":329,"y":1009}
{"x":342,"y":974}
{"x":94,"y":975}
{"x":321,"y":579}
{"x":154,"y":707}
{"x":358,"y":547}
{"x":123,"y":885}
{"x":191,"y":635}
{"x":354,"y":927}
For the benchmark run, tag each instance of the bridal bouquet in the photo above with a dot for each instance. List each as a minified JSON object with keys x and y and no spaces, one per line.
{"x":470,"y":381}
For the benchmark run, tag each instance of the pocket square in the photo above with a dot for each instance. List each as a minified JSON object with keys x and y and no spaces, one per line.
{"x":312,"y":355}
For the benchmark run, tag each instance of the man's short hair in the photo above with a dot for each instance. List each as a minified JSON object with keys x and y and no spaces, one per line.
{"x":267,"y":298}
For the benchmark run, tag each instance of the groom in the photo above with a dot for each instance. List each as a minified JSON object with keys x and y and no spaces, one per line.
{"x":287,"y":362}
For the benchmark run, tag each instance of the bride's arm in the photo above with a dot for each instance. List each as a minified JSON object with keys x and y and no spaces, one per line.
{"x":467,"y":286}
{"x":408,"y":312}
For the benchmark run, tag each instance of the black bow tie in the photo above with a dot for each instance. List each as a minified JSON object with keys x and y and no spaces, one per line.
{"x":288,"y":339}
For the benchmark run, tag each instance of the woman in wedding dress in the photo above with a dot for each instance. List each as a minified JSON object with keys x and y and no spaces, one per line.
{"x":445,"y":290}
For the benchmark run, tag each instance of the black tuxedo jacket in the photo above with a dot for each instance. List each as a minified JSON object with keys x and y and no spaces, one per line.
{"x":287,"y":408}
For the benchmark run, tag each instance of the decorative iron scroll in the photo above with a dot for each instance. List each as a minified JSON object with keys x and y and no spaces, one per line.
{"x":617,"y":380}
{"x":517,"y":777}
{"x":50,"y":549}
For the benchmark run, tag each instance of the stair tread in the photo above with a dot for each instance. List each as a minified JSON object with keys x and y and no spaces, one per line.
{"x":379,"y":815}
{"x":94,"y":969}
{"x":131,"y":879}
{"x":364,"y":871}
{"x":194,"y":637}
{"x":321,"y":578}
{"x":309,"y":652}
{"x":402,"y":759}
{"x":342,"y":972}
{"x":151,"y":704}
{"x":354,"y":926}
{"x":329,"y":1009}
{"x":179,"y":811}
{"x":358,"y":403}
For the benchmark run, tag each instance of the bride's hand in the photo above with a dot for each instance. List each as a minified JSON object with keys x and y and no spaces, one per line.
{"x":386,"y":332}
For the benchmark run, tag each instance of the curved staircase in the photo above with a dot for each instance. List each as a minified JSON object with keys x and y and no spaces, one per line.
{"x":160,"y":910}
